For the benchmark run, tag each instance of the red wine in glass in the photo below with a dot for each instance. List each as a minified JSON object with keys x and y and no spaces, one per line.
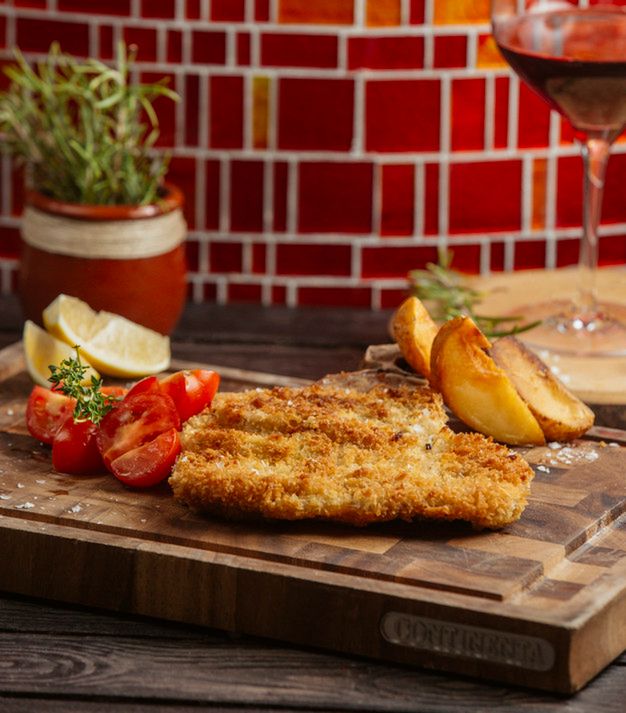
{"x":575,"y":58}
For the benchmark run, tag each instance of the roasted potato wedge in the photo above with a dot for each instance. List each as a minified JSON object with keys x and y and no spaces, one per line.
{"x":476,"y":390}
{"x":561,"y":415}
{"x":414,"y":330}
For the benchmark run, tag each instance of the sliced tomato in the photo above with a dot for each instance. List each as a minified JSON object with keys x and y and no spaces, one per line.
{"x":149,"y":384}
{"x":136,"y":420}
{"x":150,"y":463}
{"x":75,"y":450}
{"x":46,"y":411}
{"x":191,"y":391}
{"x":116,"y":391}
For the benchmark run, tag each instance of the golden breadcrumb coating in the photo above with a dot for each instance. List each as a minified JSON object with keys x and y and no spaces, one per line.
{"x":373,"y":450}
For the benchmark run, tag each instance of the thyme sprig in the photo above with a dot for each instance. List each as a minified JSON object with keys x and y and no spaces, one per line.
{"x":84,"y":130}
{"x":68,"y":378}
{"x":448,"y":295}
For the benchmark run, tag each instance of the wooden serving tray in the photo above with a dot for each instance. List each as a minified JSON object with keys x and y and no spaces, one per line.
{"x":541,"y":603}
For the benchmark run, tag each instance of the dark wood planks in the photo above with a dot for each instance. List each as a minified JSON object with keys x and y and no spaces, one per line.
{"x":53,"y":655}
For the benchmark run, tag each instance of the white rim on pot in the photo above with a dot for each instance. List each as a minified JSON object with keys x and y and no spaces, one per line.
{"x":111,"y":239}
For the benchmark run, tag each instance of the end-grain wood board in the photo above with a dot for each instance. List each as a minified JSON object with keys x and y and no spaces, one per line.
{"x":541,"y":603}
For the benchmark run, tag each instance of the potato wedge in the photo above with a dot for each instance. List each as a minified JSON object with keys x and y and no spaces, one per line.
{"x":414,"y":330}
{"x":476,"y":389}
{"x":561,"y":415}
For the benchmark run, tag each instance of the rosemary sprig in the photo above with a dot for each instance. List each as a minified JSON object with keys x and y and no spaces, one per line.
{"x":84,"y":130}
{"x":91,"y":403}
{"x":449,"y":296}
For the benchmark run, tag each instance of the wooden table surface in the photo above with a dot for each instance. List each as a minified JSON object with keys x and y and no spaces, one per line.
{"x":60,"y":658}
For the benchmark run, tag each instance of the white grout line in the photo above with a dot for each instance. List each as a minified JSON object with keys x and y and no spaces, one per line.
{"x":186,"y":47}
{"x":509,"y":253}
{"x":246,"y":257}
{"x":419,"y":192}
{"x":375,"y":302}
{"x":161,"y":44}
{"x":429,"y":52}
{"x":513,"y":112}
{"x":268,"y":196}
{"x":94,"y":39}
{"x":359,"y":13}
{"x":180,"y":10}
{"x":358,"y":119}
{"x":526,"y":197}
{"x":255,"y":48}
{"x":490,"y":112}
{"x":342,"y":52}
{"x":203,"y":257}
{"x":377,"y":198}
{"x":270,"y":259}
{"x":205,"y":10}
{"x":485,"y":257}
{"x":429,"y":12}
{"x":222,"y":290}
{"x":231,"y":48}
{"x":405,"y":12}
{"x":180,"y":89}
{"x":472,"y":49}
{"x":249,"y":11}
{"x":291,"y":297}
{"x":273,"y":98}
{"x":135,"y":8}
{"x":273,"y":11}
{"x":248,"y":112}
{"x":204,"y":112}
{"x":356,"y":261}
{"x":200,"y":195}
{"x":292,"y":197}
{"x":224,"y":196}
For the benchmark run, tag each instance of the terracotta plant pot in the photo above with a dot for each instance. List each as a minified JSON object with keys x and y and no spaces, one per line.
{"x":125,"y":259}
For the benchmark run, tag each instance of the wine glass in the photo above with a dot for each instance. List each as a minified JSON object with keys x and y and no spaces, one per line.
{"x":573,"y":54}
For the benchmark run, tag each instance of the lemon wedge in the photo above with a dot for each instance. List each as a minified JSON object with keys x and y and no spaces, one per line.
{"x":42,"y":349}
{"x":113,"y":344}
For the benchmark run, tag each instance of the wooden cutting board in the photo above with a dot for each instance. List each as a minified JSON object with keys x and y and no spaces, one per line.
{"x":541,"y":603}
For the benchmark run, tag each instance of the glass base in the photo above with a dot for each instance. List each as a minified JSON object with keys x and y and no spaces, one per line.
{"x":567,"y":331}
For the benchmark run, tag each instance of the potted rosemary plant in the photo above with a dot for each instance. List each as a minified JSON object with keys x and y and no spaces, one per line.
{"x":99,"y":222}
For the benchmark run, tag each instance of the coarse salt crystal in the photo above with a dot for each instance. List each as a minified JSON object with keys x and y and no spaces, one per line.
{"x":75,"y":508}
{"x":25,"y":506}
{"x":543,"y":468}
{"x":5,"y":497}
{"x":554,"y":445}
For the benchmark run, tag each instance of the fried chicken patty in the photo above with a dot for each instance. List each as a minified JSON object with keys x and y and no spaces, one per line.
{"x":355,"y":450}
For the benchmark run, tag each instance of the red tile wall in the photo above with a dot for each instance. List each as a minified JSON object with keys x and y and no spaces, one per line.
{"x":328,"y":147}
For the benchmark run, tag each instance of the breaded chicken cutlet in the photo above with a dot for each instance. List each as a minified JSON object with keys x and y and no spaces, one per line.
{"x":354,"y":449}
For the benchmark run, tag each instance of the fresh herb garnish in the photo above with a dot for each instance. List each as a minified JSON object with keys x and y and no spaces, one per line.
{"x":449,"y":296}
{"x":91,"y":403}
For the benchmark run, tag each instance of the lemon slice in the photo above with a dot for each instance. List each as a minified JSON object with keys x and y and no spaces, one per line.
{"x":42,"y":349}
{"x":113,"y":344}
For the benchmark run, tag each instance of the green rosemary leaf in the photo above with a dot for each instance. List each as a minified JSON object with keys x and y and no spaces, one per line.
{"x":447,"y":296}
{"x":83,"y":128}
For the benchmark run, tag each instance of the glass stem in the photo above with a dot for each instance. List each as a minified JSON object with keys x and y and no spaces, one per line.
{"x":595,"y":150}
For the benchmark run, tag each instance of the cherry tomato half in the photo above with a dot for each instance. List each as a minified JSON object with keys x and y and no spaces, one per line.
{"x":191,"y":391}
{"x":147,"y":385}
{"x":150,"y":463}
{"x":46,"y":411}
{"x":136,"y":420}
{"x":75,"y":450}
